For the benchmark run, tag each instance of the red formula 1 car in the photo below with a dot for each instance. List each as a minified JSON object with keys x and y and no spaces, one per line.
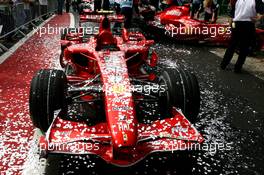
{"x":113,"y":100}
{"x":176,"y":23}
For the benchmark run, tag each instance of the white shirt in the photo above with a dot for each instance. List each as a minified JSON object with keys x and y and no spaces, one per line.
{"x":245,"y":10}
{"x":126,"y":3}
{"x":43,"y":2}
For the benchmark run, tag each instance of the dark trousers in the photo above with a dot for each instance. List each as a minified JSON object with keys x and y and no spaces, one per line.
{"x":155,"y":3}
{"x":127,"y":12}
{"x":44,"y":10}
{"x":135,"y":6}
{"x":106,"y":5}
{"x":68,"y":6}
{"x":8,"y":23}
{"x":207,"y":16}
{"x":28,"y":15}
{"x":241,"y":37}
{"x":97,"y":5}
{"x":60,"y":6}
{"x":195,"y":9}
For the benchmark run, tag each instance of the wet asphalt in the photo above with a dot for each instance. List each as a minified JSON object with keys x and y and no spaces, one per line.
{"x":232,"y":115}
{"x":232,"y":111}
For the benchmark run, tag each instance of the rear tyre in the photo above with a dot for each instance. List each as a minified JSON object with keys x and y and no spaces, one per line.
{"x":191,"y":102}
{"x":47,"y":94}
{"x":182,"y":91}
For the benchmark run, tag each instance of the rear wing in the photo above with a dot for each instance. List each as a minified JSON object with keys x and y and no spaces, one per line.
{"x":99,"y":15}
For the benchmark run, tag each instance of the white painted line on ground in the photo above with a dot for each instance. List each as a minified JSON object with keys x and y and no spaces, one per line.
{"x":21,"y":42}
{"x":72,"y":21}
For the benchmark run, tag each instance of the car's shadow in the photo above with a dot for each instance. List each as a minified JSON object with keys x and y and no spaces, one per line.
{"x":180,"y":162}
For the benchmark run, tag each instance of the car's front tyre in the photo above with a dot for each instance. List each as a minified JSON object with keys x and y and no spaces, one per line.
{"x":47,"y":94}
{"x":182,"y":91}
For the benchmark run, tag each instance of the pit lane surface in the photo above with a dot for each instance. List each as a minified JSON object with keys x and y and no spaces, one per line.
{"x":232,"y":113}
{"x":231,"y":120}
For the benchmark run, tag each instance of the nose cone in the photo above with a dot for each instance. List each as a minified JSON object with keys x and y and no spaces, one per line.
{"x":124,"y":132}
{"x":119,"y":104}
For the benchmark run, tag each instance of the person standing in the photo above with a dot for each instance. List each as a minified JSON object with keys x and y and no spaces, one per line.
{"x":27,"y":10}
{"x":68,"y":5}
{"x":106,"y":5}
{"x":43,"y":6}
{"x":210,"y":10}
{"x":243,"y":32}
{"x":127,"y":11}
{"x":97,"y":5}
{"x":135,"y":6}
{"x":74,"y":5}
{"x":196,"y":8}
{"x":60,"y":6}
{"x":155,"y":3}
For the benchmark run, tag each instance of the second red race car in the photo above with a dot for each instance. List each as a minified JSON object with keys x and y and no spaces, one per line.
{"x":175,"y":22}
{"x":112,"y":100}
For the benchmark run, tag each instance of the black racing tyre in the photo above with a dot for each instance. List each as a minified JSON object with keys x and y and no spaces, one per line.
{"x":47,"y":94}
{"x":182,"y":91}
{"x":191,"y":89}
{"x":166,"y":98}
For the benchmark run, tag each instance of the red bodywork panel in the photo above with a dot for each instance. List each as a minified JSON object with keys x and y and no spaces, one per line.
{"x":176,"y":23}
{"x":97,"y":17}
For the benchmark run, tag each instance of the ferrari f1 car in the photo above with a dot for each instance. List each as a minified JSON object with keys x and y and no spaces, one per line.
{"x":112,"y":100}
{"x":175,"y":22}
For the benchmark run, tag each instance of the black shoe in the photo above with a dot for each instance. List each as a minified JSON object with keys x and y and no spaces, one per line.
{"x":222,"y":66}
